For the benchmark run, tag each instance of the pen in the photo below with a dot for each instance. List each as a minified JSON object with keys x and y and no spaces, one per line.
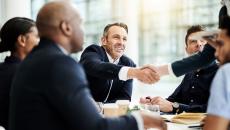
{"x":196,"y":126}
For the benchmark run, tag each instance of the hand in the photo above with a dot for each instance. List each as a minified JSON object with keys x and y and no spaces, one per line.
{"x":165,"y":105}
{"x":145,"y":75}
{"x":153,"y":121}
{"x":211,"y":42}
{"x":160,"y":70}
{"x":145,"y":100}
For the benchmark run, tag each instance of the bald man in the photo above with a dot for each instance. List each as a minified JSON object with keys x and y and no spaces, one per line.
{"x":50,"y":90}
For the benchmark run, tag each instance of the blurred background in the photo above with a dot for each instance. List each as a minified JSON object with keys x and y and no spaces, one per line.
{"x":156,"y":29}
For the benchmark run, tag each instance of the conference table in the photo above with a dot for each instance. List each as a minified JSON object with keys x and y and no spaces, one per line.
{"x":175,"y":126}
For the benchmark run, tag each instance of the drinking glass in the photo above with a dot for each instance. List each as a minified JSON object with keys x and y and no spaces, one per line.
{"x":154,"y":109}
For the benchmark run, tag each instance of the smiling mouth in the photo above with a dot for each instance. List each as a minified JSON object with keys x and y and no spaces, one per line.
{"x":119,"y":50}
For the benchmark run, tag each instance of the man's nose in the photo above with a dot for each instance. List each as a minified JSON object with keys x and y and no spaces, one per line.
{"x":201,"y":43}
{"x":121,"y":41}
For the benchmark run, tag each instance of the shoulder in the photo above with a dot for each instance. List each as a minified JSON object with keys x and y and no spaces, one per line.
{"x":225,"y":67}
{"x":64,"y":60}
{"x":94,"y":47}
{"x":223,"y":71}
{"x":127,"y":61}
{"x":219,"y":98}
{"x":64,"y":64}
{"x":222,"y":78}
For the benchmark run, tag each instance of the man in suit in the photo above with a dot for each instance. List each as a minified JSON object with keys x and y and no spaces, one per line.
{"x":50,"y":90}
{"x":108,"y":70}
{"x":193,"y":92}
{"x":194,"y":62}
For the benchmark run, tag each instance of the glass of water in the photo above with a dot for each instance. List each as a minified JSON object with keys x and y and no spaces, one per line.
{"x":154,"y":109}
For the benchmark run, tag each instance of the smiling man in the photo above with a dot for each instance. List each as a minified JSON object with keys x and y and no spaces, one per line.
{"x":108,"y":70}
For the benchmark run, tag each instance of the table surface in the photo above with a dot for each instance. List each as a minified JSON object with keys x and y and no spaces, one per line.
{"x":174,"y":126}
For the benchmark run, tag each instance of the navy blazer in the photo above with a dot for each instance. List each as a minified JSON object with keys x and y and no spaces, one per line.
{"x":100,"y":73}
{"x":194,"y":62}
{"x":7,"y":71}
{"x":50,"y":92}
{"x":193,"y":92}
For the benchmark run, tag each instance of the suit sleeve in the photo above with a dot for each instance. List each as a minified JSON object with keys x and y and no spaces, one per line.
{"x":192,"y":108}
{"x":125,"y":92}
{"x":69,"y":96}
{"x":92,"y":61}
{"x":194,"y":62}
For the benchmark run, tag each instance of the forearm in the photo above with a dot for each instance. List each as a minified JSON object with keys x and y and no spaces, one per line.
{"x":213,"y":122}
{"x":194,"y":62}
{"x":104,"y":70}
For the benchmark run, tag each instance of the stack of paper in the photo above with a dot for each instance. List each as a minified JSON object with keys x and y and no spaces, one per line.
{"x":189,"y":118}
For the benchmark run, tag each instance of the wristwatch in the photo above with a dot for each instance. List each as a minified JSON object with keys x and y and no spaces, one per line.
{"x":175,"y":106}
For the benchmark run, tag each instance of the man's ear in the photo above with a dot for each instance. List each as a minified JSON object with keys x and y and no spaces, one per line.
{"x":103,"y":41}
{"x":21,"y":41}
{"x":186,"y":48}
{"x":66,"y":28}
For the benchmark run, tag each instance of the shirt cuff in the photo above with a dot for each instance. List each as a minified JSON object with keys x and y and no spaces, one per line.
{"x":170,"y":70}
{"x":139,"y":120}
{"x":123,"y":73}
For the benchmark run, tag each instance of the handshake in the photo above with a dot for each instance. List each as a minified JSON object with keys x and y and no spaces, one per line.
{"x":149,"y":74}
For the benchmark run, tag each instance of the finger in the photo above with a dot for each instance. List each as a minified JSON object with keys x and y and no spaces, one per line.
{"x":145,"y":66}
{"x":151,"y":67}
{"x":153,"y":76}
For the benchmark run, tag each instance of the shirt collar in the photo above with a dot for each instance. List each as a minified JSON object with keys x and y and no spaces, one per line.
{"x":111,"y":60}
{"x":63,"y":49}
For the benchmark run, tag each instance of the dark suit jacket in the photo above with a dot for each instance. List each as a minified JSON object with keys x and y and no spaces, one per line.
{"x":50,"y":92}
{"x":100,"y":73}
{"x":197,"y":61}
{"x":7,"y":71}
{"x":193,"y":92}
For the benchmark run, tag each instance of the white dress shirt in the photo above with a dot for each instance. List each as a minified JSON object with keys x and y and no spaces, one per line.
{"x":123,"y":75}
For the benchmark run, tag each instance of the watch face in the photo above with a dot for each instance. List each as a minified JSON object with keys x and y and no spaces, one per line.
{"x":175,"y":105}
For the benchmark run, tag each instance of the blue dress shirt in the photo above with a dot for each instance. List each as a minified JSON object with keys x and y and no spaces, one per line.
{"x":219,"y":101}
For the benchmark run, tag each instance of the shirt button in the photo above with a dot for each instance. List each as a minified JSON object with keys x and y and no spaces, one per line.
{"x":191,"y":100}
{"x":193,"y":87}
{"x":197,"y":75}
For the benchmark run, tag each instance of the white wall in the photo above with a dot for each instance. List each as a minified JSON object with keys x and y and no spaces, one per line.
{"x":131,"y":20}
{"x":15,"y":8}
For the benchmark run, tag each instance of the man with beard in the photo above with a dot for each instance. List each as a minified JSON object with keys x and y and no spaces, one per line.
{"x":219,"y":102}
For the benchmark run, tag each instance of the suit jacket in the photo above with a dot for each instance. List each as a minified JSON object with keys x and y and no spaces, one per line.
{"x":100,"y":73}
{"x":7,"y":71}
{"x":50,"y":92}
{"x":193,"y":92}
{"x":197,"y":61}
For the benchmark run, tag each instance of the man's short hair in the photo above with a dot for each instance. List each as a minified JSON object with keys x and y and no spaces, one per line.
{"x":123,"y":25}
{"x":222,"y":13}
{"x":193,"y":29}
{"x":225,"y":24}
